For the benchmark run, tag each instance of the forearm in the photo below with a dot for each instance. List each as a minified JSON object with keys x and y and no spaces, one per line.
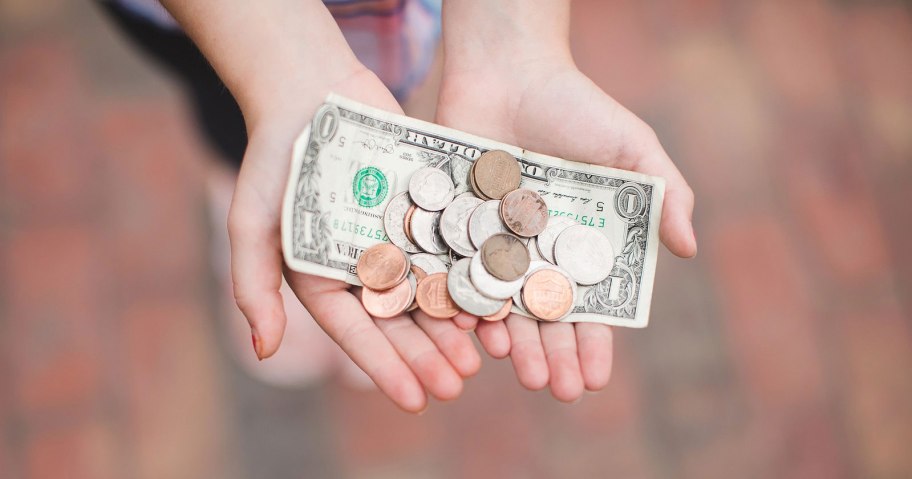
{"x":268,"y":52}
{"x":476,"y":32}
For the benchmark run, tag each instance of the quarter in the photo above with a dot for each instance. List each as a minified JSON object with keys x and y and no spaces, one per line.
{"x":466,"y":295}
{"x":454,"y":224}
{"x":425,"y":228}
{"x":585,"y":253}
{"x":485,"y":222}
{"x":431,"y":188}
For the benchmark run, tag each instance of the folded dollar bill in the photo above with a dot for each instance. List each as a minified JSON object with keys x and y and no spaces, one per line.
{"x":353,"y":159}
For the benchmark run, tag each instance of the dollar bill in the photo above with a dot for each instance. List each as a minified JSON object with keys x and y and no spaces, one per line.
{"x":352,"y":159}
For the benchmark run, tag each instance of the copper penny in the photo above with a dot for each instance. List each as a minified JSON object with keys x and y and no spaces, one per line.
{"x":389,"y":303}
{"x":548,"y":295}
{"x":434,"y":299}
{"x":419,"y":273}
{"x":496,"y":173}
{"x":407,"y":222}
{"x":474,"y":184}
{"x":505,"y":257}
{"x":502,"y":314}
{"x":524,"y":212}
{"x":382,"y":266}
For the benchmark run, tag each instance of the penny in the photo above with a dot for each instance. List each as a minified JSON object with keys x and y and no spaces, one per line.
{"x":585,"y":253}
{"x":431,"y":188}
{"x":394,"y":222}
{"x":505,"y":257}
{"x":524,"y":212}
{"x":466,"y":295}
{"x":502,"y":314}
{"x":548,"y":295}
{"x":474,"y":184}
{"x":429,"y":263}
{"x":407,"y":222}
{"x":434,"y":299}
{"x":454,"y":224}
{"x":382,"y":266}
{"x":418,"y":272}
{"x":545,"y":240}
{"x":388,"y":303}
{"x":425,"y":228}
{"x":488,"y":285}
{"x":485,"y":222}
{"x":496,"y":173}
{"x":533,"y":266}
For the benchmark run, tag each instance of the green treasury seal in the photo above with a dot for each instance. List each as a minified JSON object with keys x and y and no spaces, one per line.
{"x":370,"y":187}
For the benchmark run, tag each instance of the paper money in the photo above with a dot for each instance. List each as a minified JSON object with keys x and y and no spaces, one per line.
{"x":352,"y":160}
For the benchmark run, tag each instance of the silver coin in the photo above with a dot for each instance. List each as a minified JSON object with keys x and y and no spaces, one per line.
{"x":431,"y":188}
{"x":485,"y":222}
{"x":490,"y":286}
{"x":454,"y":224}
{"x":556,"y":226}
{"x":534,"y":254}
{"x":585,"y":253}
{"x":413,"y":282}
{"x":466,"y":295}
{"x":429,"y":263}
{"x":453,"y":257}
{"x":426,"y":231}
{"x":459,"y":172}
{"x":394,"y":221}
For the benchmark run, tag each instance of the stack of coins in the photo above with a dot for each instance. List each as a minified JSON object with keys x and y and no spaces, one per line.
{"x":484,"y":252}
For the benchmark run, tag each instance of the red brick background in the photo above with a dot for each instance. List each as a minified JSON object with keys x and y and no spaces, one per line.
{"x":783,"y":350}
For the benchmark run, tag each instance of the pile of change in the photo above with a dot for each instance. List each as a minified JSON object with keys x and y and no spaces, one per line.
{"x":433,"y":218}
{"x":501,"y":249}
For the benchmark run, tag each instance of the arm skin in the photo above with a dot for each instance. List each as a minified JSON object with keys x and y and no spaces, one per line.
{"x":280,"y":58}
{"x":509,"y":75}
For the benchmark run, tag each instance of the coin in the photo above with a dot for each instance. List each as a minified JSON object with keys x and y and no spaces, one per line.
{"x":556,"y":225}
{"x":454,"y":224}
{"x":388,"y":303}
{"x":415,"y":275}
{"x":548,"y":295}
{"x":534,"y":265}
{"x":429,"y":263}
{"x":496,"y":173}
{"x":407,"y":222}
{"x":382,"y":266}
{"x":425,"y":228}
{"x":505,"y":257}
{"x":431,"y":188}
{"x":485,"y":221}
{"x":466,"y":295}
{"x":585,"y":253}
{"x":474,"y":185}
{"x":487,"y":284}
{"x":524,"y":212}
{"x":434,"y":299}
{"x":534,"y":253}
{"x":502,"y":314}
{"x":459,"y":172}
{"x":394,"y":222}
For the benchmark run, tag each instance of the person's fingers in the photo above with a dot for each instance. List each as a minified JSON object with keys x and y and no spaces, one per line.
{"x":256,"y":271}
{"x":494,"y":337}
{"x":465,"y":321}
{"x":559,"y":341}
{"x":527,"y":353}
{"x":433,"y":370}
{"x":454,"y":343}
{"x":343,"y":318}
{"x":595,"y":352}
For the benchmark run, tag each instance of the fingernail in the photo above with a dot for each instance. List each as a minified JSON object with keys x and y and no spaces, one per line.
{"x":256,"y":343}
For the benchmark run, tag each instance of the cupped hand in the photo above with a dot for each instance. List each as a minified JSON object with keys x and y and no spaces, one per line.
{"x":547,"y":105}
{"x":406,"y":356}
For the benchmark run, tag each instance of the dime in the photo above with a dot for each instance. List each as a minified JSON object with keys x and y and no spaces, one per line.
{"x":548,"y":295}
{"x":585,"y":253}
{"x":466,"y":295}
{"x":454,"y":224}
{"x":431,"y":188}
{"x":382,"y":266}
{"x":388,"y":303}
{"x":394,"y":222}
{"x":429,"y":263}
{"x":496,"y":173}
{"x":502,"y":314}
{"x":556,"y":225}
{"x":425,"y":228}
{"x":434,"y":299}
{"x":489,"y":285}
{"x":407,"y":222}
{"x":415,"y":275}
{"x":524,"y":212}
{"x":484,"y":222}
{"x":505,"y":257}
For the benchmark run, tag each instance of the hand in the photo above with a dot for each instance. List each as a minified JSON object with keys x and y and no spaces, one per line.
{"x":545,"y":104}
{"x":404,"y":355}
